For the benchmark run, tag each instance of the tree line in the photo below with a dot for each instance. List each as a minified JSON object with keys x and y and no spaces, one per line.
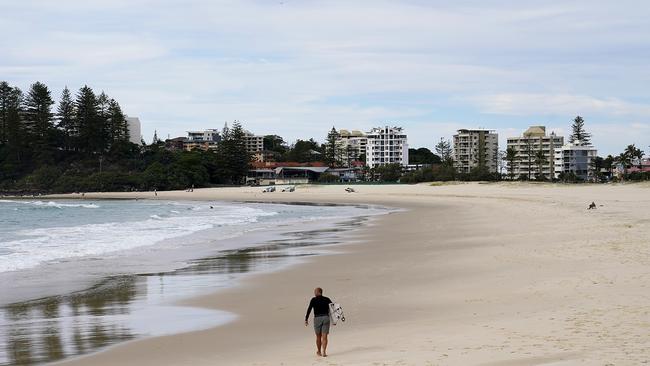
{"x":83,"y":145}
{"x":32,"y":135}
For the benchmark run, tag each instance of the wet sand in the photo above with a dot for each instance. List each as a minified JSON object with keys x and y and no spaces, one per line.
{"x":121,"y":308}
{"x":493,"y":274}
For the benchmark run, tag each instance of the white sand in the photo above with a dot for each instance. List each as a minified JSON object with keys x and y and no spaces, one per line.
{"x":490,"y":274}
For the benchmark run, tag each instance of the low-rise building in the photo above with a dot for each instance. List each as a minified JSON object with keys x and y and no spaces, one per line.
{"x":475,"y":147}
{"x":575,"y":158}
{"x":528,"y":146}
{"x":347,"y":175}
{"x":298,"y":173}
{"x":386,"y":145}
{"x":176,"y":143}
{"x":202,"y":139}
{"x":264,"y":156}
{"x":640,"y":166}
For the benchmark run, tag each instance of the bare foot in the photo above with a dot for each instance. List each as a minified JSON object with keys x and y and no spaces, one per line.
{"x":318,"y":353}
{"x":324,"y":354}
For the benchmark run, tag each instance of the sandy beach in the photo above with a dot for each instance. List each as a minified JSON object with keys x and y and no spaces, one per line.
{"x":466,"y":274}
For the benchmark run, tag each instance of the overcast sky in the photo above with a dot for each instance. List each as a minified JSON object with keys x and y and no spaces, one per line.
{"x":297,"y":68}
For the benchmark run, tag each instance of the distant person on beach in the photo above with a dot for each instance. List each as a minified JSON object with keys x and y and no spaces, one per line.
{"x":320,"y":304}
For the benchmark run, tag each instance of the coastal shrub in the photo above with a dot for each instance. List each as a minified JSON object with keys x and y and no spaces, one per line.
{"x":42,"y":179}
{"x":418,"y":176}
{"x":186,"y":172}
{"x":445,"y":172}
{"x":155,"y":176}
{"x":110,"y":181}
{"x":480,"y":173}
{"x":388,"y":173}
{"x":68,"y":182}
{"x":328,"y":178}
{"x":569,"y":177}
{"x":638,"y":176}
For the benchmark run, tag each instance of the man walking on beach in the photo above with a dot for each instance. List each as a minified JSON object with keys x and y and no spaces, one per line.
{"x":320,"y":304}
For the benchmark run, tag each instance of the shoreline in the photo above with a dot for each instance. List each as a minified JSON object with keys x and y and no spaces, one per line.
{"x":282,"y":245}
{"x":468,"y":274}
{"x":175,"y":257}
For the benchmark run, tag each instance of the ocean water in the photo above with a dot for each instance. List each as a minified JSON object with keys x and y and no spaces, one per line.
{"x":78,"y":276}
{"x":40,"y":233}
{"x":34,"y":233}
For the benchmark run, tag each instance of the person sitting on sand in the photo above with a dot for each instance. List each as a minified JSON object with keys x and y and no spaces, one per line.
{"x":320,"y":304}
{"x":592,"y":206}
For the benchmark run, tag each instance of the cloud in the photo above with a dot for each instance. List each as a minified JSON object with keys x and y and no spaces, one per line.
{"x":297,"y":67}
{"x":522,"y":104}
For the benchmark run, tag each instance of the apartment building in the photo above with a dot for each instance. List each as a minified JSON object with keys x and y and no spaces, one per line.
{"x":134,"y":127}
{"x":575,"y":158}
{"x":528,"y":146}
{"x":254,"y":143}
{"x":203,"y":139}
{"x":386,"y":145}
{"x":352,"y":146}
{"x":475,"y":147}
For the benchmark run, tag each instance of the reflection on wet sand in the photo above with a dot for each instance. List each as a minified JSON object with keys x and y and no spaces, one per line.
{"x":52,"y":328}
{"x":125,"y":307}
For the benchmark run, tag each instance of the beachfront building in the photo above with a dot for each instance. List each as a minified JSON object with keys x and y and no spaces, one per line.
{"x":203,"y":139}
{"x":176,"y":143}
{"x":134,"y":127}
{"x":386,"y":145}
{"x":473,"y":148}
{"x":263,"y":156}
{"x":640,"y":166}
{"x":352,"y":146}
{"x":527,"y":146}
{"x":575,"y":158}
{"x":254,"y":143}
{"x":276,"y":173}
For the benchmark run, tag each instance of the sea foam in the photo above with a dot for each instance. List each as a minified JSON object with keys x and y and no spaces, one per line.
{"x":36,"y":246}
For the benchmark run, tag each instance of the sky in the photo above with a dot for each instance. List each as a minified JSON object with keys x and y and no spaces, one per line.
{"x":297,"y":68}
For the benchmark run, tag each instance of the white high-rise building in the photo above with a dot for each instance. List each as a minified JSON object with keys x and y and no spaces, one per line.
{"x":575,"y":158}
{"x":528,"y":146}
{"x":468,"y":145}
{"x":353,"y":145}
{"x":135,"y":133}
{"x":386,"y":145}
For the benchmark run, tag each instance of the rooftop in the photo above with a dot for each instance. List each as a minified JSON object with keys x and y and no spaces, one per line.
{"x":467,"y":130}
{"x":353,"y":133}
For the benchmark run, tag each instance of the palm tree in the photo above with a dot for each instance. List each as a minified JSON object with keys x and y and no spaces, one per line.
{"x":540,"y":160}
{"x":511,"y":157}
{"x":635,"y":154}
{"x":608,"y":163}
{"x":625,"y":160}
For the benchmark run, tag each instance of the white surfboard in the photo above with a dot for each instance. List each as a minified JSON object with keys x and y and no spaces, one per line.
{"x":336,"y":313}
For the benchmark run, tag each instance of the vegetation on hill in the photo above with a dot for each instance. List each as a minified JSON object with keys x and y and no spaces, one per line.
{"x":83,"y":145}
